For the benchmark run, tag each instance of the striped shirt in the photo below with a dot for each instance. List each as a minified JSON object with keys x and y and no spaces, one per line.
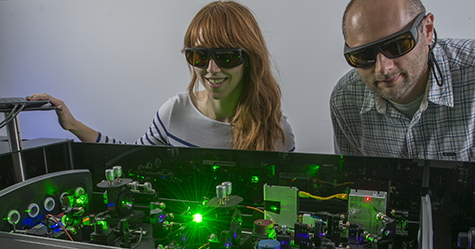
{"x":179,"y":123}
{"x":443,"y":128}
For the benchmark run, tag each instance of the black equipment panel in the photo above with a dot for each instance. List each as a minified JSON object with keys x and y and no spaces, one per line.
{"x":164,"y":188}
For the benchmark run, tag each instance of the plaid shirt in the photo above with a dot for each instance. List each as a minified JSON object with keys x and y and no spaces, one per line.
{"x":443,"y":128}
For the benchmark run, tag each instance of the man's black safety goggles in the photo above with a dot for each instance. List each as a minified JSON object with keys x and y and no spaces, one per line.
{"x":393,"y":46}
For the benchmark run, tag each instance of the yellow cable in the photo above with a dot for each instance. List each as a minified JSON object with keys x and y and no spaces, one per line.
{"x":308,"y":195}
{"x":203,"y":246}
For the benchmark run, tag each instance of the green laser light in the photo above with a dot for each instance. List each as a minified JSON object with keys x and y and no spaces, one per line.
{"x":197,"y":218}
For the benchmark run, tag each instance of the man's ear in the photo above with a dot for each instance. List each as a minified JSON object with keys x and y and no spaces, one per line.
{"x":428,"y":28}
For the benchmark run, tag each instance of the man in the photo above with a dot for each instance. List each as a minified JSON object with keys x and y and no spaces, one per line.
{"x":409,"y":95}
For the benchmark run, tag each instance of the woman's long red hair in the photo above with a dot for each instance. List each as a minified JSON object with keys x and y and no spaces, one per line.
{"x":256,"y":120}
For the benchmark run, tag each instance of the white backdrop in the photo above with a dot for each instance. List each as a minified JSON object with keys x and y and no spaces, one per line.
{"x":114,"y":62}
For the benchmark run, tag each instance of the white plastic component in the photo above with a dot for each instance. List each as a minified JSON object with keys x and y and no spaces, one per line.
{"x":364,"y":206}
{"x":147,"y":186}
{"x":288,"y":198}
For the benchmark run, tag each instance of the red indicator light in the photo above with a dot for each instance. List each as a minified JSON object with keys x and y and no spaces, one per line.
{"x":368,"y":198}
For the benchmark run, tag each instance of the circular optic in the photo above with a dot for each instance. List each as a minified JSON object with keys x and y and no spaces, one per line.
{"x":125,"y":202}
{"x":33,"y":210}
{"x":79,"y":191}
{"x":61,"y":198}
{"x":13,"y":217}
{"x":49,"y":204}
{"x":268,"y":244}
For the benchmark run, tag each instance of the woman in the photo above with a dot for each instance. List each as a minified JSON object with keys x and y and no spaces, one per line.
{"x":239,"y":107}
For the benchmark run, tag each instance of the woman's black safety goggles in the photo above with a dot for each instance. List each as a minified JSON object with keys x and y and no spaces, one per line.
{"x":393,"y":46}
{"x":224,"y":57}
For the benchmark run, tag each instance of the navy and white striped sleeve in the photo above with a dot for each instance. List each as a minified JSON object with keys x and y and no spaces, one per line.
{"x":101,"y":138}
{"x":156,"y":134}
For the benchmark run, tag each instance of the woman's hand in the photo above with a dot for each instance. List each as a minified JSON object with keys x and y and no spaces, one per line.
{"x":66,"y":119}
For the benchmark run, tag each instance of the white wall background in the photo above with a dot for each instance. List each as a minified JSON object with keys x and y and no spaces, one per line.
{"x":114,"y":62}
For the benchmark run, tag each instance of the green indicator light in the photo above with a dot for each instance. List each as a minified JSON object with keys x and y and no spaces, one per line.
{"x":65,"y":220}
{"x":27,"y":211}
{"x":341,"y":163}
{"x":126,"y":203}
{"x":273,"y":209}
{"x":255,"y":179}
{"x":215,"y":167}
{"x":271,"y":171}
{"x":197,"y":218}
{"x":104,"y":195}
{"x":313,"y":169}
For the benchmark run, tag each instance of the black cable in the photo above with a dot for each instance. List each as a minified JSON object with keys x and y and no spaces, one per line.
{"x":433,"y":61}
{"x":11,"y":115}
